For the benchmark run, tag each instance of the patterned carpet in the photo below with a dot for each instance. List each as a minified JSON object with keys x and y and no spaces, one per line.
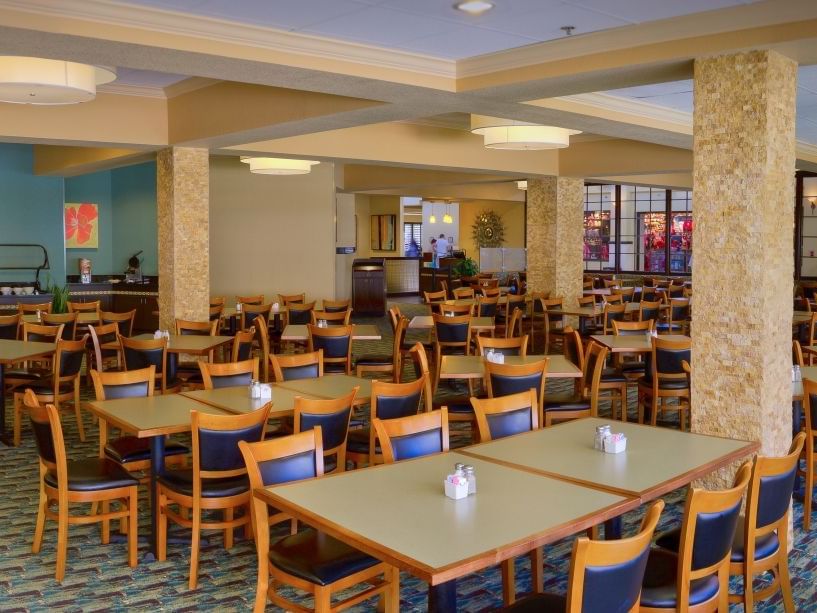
{"x":98,"y":577}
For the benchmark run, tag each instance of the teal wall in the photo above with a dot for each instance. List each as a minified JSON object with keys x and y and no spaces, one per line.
{"x":133,"y":193}
{"x":95,"y":188}
{"x":31,"y":211}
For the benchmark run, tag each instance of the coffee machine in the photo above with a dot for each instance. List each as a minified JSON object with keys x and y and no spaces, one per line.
{"x":133,"y":274}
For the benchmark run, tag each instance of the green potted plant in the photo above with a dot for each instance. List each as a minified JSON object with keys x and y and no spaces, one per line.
{"x":466,"y":269}
{"x":60,"y":295}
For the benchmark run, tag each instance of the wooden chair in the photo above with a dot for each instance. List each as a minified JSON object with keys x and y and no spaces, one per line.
{"x":809,"y":455}
{"x":394,"y":316}
{"x":517,"y":346}
{"x":463,"y":293}
{"x":242,"y":347}
{"x":634,"y":367}
{"x":610,"y":283}
{"x":627,"y":293}
{"x":217,"y":301}
{"x":215,"y":313}
{"x":332,"y":418}
{"x":132,"y":453}
{"x":491,"y":291}
{"x":30,"y":309}
{"x":299,"y":313}
{"x":249,"y":313}
{"x":454,"y":310}
{"x":414,"y":436}
{"x":486,"y":307}
{"x":332,"y":318}
{"x":452,"y":336}
{"x":336,"y":343}
{"x":67,"y":320}
{"x":585,"y":403}
{"x":797,"y":354}
{"x":289,"y":299}
{"x":104,"y":346}
{"x":444,"y":286}
{"x":264,"y":353}
{"x":28,"y":373}
{"x":506,"y":415}
{"x":433,"y":297}
{"x":93,"y":306}
{"x":677,"y":317}
{"x":61,"y":387}
{"x":612,"y":312}
{"x":603,"y":576}
{"x":616,"y":299}
{"x":229,"y":374}
{"x":217,"y":482}
{"x":512,"y":301}
{"x":10,"y":326}
{"x":649,"y":310}
{"x":508,"y":379}
{"x":124,"y":321}
{"x":336,"y":306}
{"x":250,"y":300}
{"x":389,"y":364}
{"x":294,"y":458}
{"x":297,"y":365}
{"x":419,"y":360}
{"x":142,"y":353}
{"x":539,"y":314}
{"x":389,"y":400}
{"x":514,"y":326}
{"x":665,"y":378}
{"x":64,"y":482}
{"x":696,"y":578}
{"x":189,"y":372}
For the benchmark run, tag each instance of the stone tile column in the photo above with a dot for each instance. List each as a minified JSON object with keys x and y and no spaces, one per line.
{"x":744,"y":156}
{"x":555,"y":226}
{"x":183,"y":200}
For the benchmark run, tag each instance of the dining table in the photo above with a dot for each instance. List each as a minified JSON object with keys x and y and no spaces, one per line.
{"x":360,"y":332}
{"x":331,"y":386}
{"x":14,"y":352}
{"x":236,"y":399}
{"x":426,"y":322}
{"x":633,"y":343}
{"x":473,"y":366}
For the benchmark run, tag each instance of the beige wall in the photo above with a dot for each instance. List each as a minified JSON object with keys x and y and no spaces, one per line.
{"x":511,"y":213}
{"x":271,"y":234}
{"x":385,"y":205}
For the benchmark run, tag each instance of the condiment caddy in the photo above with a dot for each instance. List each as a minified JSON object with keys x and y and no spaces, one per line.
{"x":608,"y":441}
{"x":462,"y":482}
{"x":260,"y":391}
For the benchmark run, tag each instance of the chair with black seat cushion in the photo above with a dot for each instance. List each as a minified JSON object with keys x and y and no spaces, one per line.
{"x":61,"y":387}
{"x":507,"y":379}
{"x":665,"y":378}
{"x":229,"y":374}
{"x":611,"y":314}
{"x":387,"y":364}
{"x":511,"y":302}
{"x":649,"y":310}
{"x":516,"y":346}
{"x":486,"y":307}
{"x":332,"y":318}
{"x":131,"y":452}
{"x":696,"y":577}
{"x":604,"y":575}
{"x":218,"y":301}
{"x":27,"y":372}
{"x":677,"y":321}
{"x":336,"y":343}
{"x":189,"y":372}
{"x":64,"y":482}
{"x":761,"y":536}
{"x":10,"y":326}
{"x":503,"y":416}
{"x":627,"y":293}
{"x":217,"y":482}
{"x":242,"y":345}
{"x":463,"y":293}
{"x":215,"y":313}
{"x":490,"y":291}
{"x":124,"y":321}
{"x":389,"y":400}
{"x":413,"y":436}
{"x":633,"y":367}
{"x":141,"y":353}
{"x":249,"y":313}
{"x":300,"y":314}
{"x":336,"y":306}
{"x":288,"y":299}
{"x":104,"y":348}
{"x":810,"y":453}
{"x":262,"y":337}
{"x":254,"y":300}
{"x":514,"y":326}
{"x":68,"y":321}
{"x":332,"y":417}
{"x":452,"y":336}
{"x":539,"y":320}
{"x":307,"y":560}
{"x":286,"y":367}
{"x":585,"y":403}
{"x":435,"y":297}
{"x":419,"y":360}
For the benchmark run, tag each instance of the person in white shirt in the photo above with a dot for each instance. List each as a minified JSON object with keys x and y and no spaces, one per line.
{"x":442,"y":246}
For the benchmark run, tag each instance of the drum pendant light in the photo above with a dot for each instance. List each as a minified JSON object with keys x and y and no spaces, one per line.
{"x":500,"y":133}
{"x":278,"y":166}
{"x":39,"y":81}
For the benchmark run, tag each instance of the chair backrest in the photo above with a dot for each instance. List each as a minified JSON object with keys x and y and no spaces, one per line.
{"x":678,"y":310}
{"x":613,"y":312}
{"x":491,"y":290}
{"x":242,"y":345}
{"x":142,"y":353}
{"x":228,"y":374}
{"x":39,"y":333}
{"x":506,"y":415}
{"x":797,"y":354}
{"x":331,"y":416}
{"x":452,"y":331}
{"x":514,"y":327}
{"x":649,"y":310}
{"x":463,"y":292}
{"x":594,"y":363}
{"x":196,"y":328}
{"x":514,"y":300}
{"x":124,"y":384}
{"x":299,"y":313}
{"x":252,"y":300}
{"x":487,"y":306}
{"x":610,"y":283}
{"x":43,"y":307}
{"x":391,"y":400}
{"x":586,"y":301}
{"x":10,"y":326}
{"x":419,"y":359}
{"x":508,"y":379}
{"x":394,"y":316}
{"x":286,"y":367}
{"x":666,"y":357}
{"x":215,"y":443}
{"x":215,"y":312}
{"x":626,"y":293}
{"x":262,"y":335}
{"x":444,"y":286}
{"x":336,"y":343}
{"x":454,"y":310}
{"x":68,"y":358}
{"x":123,"y":320}
{"x":707,"y":532}
{"x":288,"y":299}
{"x":574,"y":348}
{"x":413,"y":436}
{"x":45,"y":422}
{"x":607,"y":575}
{"x":431,"y":297}
{"x":332,"y":318}
{"x":84,"y":307}
{"x":102,"y":334}
{"x":616,"y":299}
{"x":517,"y":346}
{"x":217,"y":301}
{"x":632,"y":328}
{"x":250,"y":312}
{"x":335,"y":306}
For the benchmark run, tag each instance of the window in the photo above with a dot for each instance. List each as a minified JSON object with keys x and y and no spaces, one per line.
{"x":412,"y":239}
{"x":599,"y":227}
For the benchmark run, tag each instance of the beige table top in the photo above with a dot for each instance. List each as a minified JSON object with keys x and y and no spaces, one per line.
{"x":426,"y":322}
{"x":237,"y":399}
{"x":17,"y":351}
{"x":470,"y":301}
{"x":151,"y":416}
{"x":193,"y":344}
{"x":657,"y":460}
{"x":473,"y":366}
{"x":84,"y":317}
{"x":801,"y":317}
{"x":598,"y":310}
{"x":330,"y":386}
{"x":361,"y":332}
{"x":399,"y":513}
{"x":232,"y":312}
{"x":633,"y":343}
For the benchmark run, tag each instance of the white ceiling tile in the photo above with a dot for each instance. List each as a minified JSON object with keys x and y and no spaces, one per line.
{"x":639,"y":11}
{"x":459,"y":42}
{"x":291,"y":15}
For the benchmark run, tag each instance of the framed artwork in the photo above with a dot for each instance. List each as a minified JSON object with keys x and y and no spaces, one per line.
{"x":81,"y":226}
{"x":382,"y":232}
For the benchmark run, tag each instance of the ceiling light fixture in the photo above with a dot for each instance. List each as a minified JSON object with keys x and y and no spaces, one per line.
{"x":278,"y":166}
{"x":519,"y":135}
{"x":34,"y":80}
{"x":522,"y":185}
{"x":474,"y":7}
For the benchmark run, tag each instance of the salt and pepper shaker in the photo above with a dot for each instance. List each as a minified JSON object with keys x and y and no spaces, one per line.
{"x":798,"y":374}
{"x":601,"y":432}
{"x":255,"y":389}
{"x":470,"y":475}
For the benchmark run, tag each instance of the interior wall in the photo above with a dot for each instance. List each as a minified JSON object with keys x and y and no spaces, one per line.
{"x":31,"y":210}
{"x":512,"y":215}
{"x":362,"y":212}
{"x":94,"y":188}
{"x":451,"y":231}
{"x":133,"y":193}
{"x":386,"y":205}
{"x":271,"y":234}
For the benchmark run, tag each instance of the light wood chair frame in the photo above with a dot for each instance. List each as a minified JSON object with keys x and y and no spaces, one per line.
{"x":492,"y":342}
{"x":440,"y":346}
{"x":315,"y":406}
{"x":520,"y":370}
{"x":210,"y":369}
{"x":413,"y":424}
{"x":251,"y":300}
{"x":27,"y":308}
{"x":288,"y":299}
{"x":332,"y":318}
{"x":149,"y":343}
{"x":106,"y":317}
{"x":657,"y":395}
{"x":68,"y":321}
{"x":396,"y":366}
{"x":345,"y":305}
{"x":259,"y":310}
{"x":809,"y":455}
{"x":463,"y":293}
{"x":333,"y":331}
{"x":84,"y":307}
{"x":483,"y":407}
{"x":293,"y":360}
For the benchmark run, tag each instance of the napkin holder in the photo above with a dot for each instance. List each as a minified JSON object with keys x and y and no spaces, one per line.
{"x":266,"y":391}
{"x":455,"y":491}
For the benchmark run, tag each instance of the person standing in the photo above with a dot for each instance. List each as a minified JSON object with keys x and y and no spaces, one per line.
{"x":442,"y":247}
{"x":434,"y":263}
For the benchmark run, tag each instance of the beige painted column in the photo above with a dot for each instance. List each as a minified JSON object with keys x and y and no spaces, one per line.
{"x":743,"y":266}
{"x":555,"y":221}
{"x":183,"y":200}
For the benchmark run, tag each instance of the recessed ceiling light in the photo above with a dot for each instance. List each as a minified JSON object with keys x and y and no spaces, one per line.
{"x":474,"y":7}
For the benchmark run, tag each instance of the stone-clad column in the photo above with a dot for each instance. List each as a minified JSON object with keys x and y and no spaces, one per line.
{"x":183,"y":200}
{"x":555,"y":237}
{"x":744,"y":160}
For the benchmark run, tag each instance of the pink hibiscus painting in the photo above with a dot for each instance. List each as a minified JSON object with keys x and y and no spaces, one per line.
{"x":81,"y":226}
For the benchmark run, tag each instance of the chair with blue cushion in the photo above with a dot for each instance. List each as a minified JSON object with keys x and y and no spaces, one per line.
{"x":336,"y":306}
{"x":696,"y":577}
{"x":308,"y":560}
{"x":229,"y":374}
{"x":243,"y":345}
{"x":414,"y":436}
{"x":506,"y":415}
{"x":189,"y":372}
{"x":332,"y":318}
{"x":605,"y":576}
{"x":634,"y":367}
{"x":65,"y":482}
{"x":586,"y":402}
{"x":332,"y":417}
{"x":131,"y":452}
{"x":388,"y":401}
{"x":67,"y":320}
{"x":26,"y":373}
{"x":665,"y":378}
{"x":253,"y":300}
{"x":286,"y":367}
{"x":387,"y":364}
{"x":123,"y":321}
{"x":677,"y":321}
{"x":515,"y":346}
{"x":486,"y":307}
{"x":217,"y":482}
{"x":10,"y":326}
{"x":452,"y":336}
{"x":507,"y":379}
{"x":142,"y":353}
{"x":249,"y":313}
{"x":649,"y":310}
{"x":336,"y":343}
{"x":299,"y":314}
{"x":810,"y":453}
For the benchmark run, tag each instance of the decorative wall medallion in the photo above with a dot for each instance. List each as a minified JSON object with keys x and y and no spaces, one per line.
{"x":488,"y":230}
